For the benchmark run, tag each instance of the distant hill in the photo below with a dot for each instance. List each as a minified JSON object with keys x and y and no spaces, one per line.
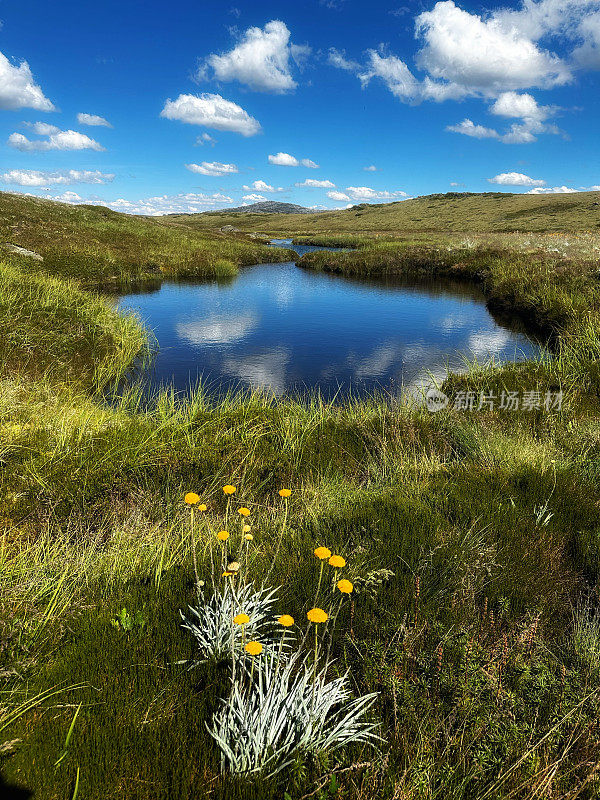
{"x":266,"y":207}
{"x":436,"y":213}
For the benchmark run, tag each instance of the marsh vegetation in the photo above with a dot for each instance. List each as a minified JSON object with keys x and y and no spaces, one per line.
{"x":471,"y":541}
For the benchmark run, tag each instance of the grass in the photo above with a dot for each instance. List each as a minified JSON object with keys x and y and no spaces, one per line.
{"x":102,"y":248}
{"x":438,"y":213}
{"x":472,"y":541}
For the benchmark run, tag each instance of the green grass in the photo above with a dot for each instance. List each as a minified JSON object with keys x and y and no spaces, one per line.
{"x":473,"y":540}
{"x":102,"y":248}
{"x":438,"y":213}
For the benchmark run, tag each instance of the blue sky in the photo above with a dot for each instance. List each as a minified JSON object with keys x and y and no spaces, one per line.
{"x":206,"y":105}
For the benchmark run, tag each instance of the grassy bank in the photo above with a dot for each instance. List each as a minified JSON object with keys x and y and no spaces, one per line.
{"x":471,"y":538}
{"x":102,"y":248}
{"x":552,"y":282}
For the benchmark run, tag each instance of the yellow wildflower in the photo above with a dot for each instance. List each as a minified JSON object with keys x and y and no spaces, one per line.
{"x":285,"y":492}
{"x":191,"y":498}
{"x":254,"y":648}
{"x":337,"y":561}
{"x":246,"y":529}
{"x":323,"y":553}
{"x":317,"y":615}
{"x":202,"y":507}
{"x":226,"y":574}
{"x":245,"y":512}
{"x":223,"y":536}
{"x":345,"y":586}
{"x":248,"y":537}
{"x":286,"y":620}
{"x":234,"y":566}
{"x":229,"y":489}
{"x":241,"y":619}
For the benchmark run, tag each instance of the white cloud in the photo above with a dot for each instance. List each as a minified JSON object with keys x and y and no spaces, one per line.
{"x":338,"y":196}
{"x":34,"y":177}
{"x":310,"y":182}
{"x":470,"y":55}
{"x":525,"y":106}
{"x":42,"y":128}
{"x":262,"y":186}
{"x":497,"y":57}
{"x":553,"y":190}
{"x":212,"y":111}
{"x":286,"y":160}
{"x":254,"y":198}
{"x":338,"y":59}
{"x":186,"y":203}
{"x":206,"y":138}
{"x":371,"y":168}
{"x":213,"y":168}
{"x":468,"y":128}
{"x":261,"y":60}
{"x":516,"y":179}
{"x":18,"y":89}
{"x":364,"y":194}
{"x":56,"y":140}
{"x":93,"y":119}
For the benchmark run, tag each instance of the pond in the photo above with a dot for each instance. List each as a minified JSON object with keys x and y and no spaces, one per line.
{"x":281,"y":328}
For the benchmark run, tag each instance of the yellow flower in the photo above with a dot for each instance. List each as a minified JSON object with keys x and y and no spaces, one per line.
{"x":317,"y":615}
{"x":229,"y":489}
{"x":254,"y":648}
{"x":223,"y":536}
{"x":323,"y":553}
{"x":246,"y":529}
{"x":234,"y":566}
{"x":337,"y":561}
{"x":248,"y":537}
{"x":226,"y":574}
{"x":285,"y":492}
{"x":345,"y":586}
{"x":241,"y":619}
{"x":245,"y":512}
{"x":191,"y":498}
{"x":286,"y":620}
{"x":202,"y":507}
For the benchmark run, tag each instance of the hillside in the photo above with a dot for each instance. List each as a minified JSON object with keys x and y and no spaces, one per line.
{"x":436,"y":213}
{"x":265,"y":207}
{"x":98,"y":246}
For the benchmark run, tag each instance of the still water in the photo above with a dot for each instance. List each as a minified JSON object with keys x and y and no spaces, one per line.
{"x":282,"y":328}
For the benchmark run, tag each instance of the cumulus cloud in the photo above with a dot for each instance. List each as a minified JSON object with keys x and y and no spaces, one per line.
{"x":516,"y":63}
{"x":55,"y":140}
{"x":263,"y":186}
{"x":523,"y":132}
{"x":186,"y":203}
{"x":364,"y":194}
{"x":468,"y":128}
{"x":286,"y":160}
{"x":313,"y":184}
{"x":261,"y":60}
{"x":212,"y":111}
{"x":465,"y":54}
{"x":18,"y":88}
{"x":34,"y":177}
{"x":93,"y":119}
{"x":516,"y":179}
{"x":370,"y":168}
{"x":254,"y":198}
{"x":213,"y":168}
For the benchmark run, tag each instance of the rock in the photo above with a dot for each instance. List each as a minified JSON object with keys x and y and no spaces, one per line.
{"x":21,"y":251}
{"x":228,"y":229}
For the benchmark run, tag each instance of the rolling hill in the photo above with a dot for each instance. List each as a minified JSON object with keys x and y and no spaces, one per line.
{"x":436,"y":213}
